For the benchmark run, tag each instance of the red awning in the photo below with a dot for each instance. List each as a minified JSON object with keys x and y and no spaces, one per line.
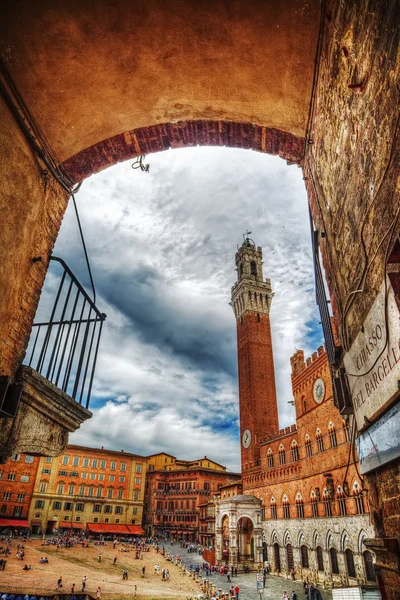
{"x":121,"y":529}
{"x":13,"y":523}
{"x":135,"y":529}
{"x":65,"y":524}
{"x":95,"y":527}
{"x":77,"y":525}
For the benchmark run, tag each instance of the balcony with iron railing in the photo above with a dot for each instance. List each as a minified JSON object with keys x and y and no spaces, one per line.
{"x":50,"y":397}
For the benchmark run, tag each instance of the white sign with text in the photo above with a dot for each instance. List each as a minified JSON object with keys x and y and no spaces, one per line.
{"x":373,"y":361}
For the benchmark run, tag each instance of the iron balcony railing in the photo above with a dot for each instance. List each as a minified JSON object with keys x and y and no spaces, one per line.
{"x":64,"y":347}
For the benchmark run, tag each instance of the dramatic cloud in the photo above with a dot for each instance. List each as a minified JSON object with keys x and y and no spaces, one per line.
{"x":162,"y":251}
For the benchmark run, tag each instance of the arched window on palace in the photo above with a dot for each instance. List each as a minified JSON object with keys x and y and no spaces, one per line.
{"x":99,"y":491}
{"x":342,"y":501}
{"x":359,"y":499}
{"x":320,"y":559}
{"x":282,"y":457}
{"x":314,"y":504}
{"x":332,"y":435}
{"x":334,"y":561}
{"x":273,"y":508}
{"x":351,"y":570}
{"x":300,"y":507}
{"x":308,"y":446}
{"x":369,"y":566}
{"x":120,"y":493}
{"x":320,"y":441}
{"x":328,"y":505}
{"x":286,"y":507}
{"x":110,"y":492}
{"x":304,"y":556}
{"x":270,"y":459}
{"x":253,"y":268}
{"x":295,"y":452}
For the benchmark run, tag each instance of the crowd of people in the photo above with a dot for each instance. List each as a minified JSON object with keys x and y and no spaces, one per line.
{"x":138,"y":546}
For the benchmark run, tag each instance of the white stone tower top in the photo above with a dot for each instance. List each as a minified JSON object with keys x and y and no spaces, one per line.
{"x":250,"y":292}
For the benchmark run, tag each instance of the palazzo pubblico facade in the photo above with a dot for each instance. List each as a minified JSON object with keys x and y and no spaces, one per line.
{"x":303,"y":506}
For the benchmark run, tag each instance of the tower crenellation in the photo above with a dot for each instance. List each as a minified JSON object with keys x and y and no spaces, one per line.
{"x":250,"y":292}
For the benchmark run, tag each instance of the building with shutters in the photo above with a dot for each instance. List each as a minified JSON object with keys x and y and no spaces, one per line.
{"x":91,"y":489}
{"x":175,"y":489}
{"x":303,"y":506}
{"x":17,"y":482}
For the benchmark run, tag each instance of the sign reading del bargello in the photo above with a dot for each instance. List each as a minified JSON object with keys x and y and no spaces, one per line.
{"x":373,"y":361}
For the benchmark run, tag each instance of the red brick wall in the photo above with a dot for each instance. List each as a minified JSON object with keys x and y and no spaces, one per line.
{"x":169,"y":504}
{"x":178,"y":135}
{"x":306,"y":475}
{"x":257,"y":394}
{"x":20,"y":468}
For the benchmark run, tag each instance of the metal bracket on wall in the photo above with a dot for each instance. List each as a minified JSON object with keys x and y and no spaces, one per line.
{"x":341,"y":392}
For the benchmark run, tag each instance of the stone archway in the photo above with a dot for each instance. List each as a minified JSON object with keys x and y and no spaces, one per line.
{"x":245,"y":536}
{"x":238,"y":522}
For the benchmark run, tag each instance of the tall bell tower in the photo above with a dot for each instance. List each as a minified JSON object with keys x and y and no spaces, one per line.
{"x":251,"y":302}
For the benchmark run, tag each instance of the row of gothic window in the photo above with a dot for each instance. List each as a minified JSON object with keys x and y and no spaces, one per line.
{"x":319,"y":443}
{"x":333,"y":558}
{"x":326,"y":502}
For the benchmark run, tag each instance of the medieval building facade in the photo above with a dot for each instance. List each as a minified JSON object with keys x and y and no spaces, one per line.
{"x":175,"y":490}
{"x":303,"y":507}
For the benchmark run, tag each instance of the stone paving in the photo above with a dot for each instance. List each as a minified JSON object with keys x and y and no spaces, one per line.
{"x":274,"y":589}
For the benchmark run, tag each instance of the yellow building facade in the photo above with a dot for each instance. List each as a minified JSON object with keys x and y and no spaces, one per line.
{"x":101,"y":491}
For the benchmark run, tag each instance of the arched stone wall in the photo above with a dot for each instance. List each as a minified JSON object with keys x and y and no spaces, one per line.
{"x":156,"y":138}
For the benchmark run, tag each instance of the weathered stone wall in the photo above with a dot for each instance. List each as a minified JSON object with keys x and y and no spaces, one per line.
{"x":353,"y":163}
{"x":30,"y":220}
{"x":341,"y":533}
{"x":352,"y":178}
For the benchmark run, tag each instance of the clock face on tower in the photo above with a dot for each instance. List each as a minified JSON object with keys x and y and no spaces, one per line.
{"x":246,"y":438}
{"x":319,"y":390}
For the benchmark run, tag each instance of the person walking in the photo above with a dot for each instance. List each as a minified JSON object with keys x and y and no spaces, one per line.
{"x":115,"y":560}
{"x":98,"y":593}
{"x":84,"y":583}
{"x":294,"y":595}
{"x":59,"y":583}
{"x":285,"y":596}
{"x":228,"y":577}
{"x":72,"y":590}
{"x":143,"y":571}
{"x":237,"y":591}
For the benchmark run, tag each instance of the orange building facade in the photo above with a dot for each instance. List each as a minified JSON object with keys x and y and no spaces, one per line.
{"x":91,"y":489}
{"x":303,"y":507}
{"x":175,"y":489}
{"x":17,"y":482}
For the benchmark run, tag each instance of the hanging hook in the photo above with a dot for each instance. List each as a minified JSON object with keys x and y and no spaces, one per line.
{"x":138,"y":164}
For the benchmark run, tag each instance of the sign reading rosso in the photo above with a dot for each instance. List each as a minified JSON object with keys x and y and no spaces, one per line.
{"x":373,"y":361}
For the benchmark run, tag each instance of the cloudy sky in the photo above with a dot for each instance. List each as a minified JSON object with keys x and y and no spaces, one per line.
{"x":162,"y":248}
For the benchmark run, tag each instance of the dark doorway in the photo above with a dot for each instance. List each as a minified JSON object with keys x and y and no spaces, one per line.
{"x":277,"y":558}
{"x":320,"y":559}
{"x":289,"y":557}
{"x":265,"y":551}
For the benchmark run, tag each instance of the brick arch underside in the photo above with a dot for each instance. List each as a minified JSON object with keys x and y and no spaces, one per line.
{"x":156,"y":138}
